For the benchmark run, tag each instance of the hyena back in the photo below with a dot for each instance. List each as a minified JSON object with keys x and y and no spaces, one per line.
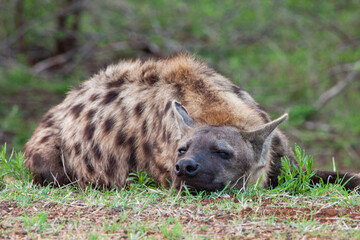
{"x":135,"y":115}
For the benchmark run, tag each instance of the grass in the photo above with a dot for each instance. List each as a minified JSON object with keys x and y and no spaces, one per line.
{"x":146,"y":210}
{"x":296,"y":179}
{"x":284,"y":53}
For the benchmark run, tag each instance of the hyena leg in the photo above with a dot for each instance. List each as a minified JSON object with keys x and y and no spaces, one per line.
{"x":46,"y":163}
{"x":350,"y":181}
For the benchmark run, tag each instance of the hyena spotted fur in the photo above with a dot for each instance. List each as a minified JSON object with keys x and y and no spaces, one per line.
{"x":177,"y":119}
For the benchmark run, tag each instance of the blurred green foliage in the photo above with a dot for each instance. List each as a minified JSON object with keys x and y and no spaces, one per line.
{"x":285,"y":53}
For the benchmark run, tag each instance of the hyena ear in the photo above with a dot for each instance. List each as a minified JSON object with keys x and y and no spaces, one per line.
{"x":181,"y":115}
{"x":260,"y":138}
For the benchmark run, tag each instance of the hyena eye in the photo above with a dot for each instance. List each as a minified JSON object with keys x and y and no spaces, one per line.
{"x":224,"y":154}
{"x":181,"y":151}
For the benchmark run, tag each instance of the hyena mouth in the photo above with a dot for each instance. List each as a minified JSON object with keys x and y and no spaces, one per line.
{"x":208,"y":187}
{"x":199,"y":185}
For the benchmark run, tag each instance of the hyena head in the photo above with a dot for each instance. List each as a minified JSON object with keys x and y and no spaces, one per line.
{"x":213,"y":157}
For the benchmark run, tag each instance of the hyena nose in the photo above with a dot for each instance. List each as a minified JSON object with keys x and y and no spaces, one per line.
{"x":186,"y":167}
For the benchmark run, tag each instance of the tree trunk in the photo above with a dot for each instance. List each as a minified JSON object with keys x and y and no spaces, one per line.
{"x":68,"y":31}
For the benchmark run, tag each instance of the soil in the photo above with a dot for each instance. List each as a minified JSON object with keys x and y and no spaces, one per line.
{"x":250,"y":223}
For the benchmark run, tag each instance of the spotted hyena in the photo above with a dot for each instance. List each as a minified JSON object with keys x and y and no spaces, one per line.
{"x":176,"y":119}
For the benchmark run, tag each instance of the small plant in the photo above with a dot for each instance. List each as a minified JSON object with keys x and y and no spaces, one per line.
{"x":13,"y":166}
{"x":37,"y":223}
{"x":142,"y":178}
{"x":295,"y":178}
{"x":112,"y":227}
{"x":174,"y":233}
{"x":94,"y":236}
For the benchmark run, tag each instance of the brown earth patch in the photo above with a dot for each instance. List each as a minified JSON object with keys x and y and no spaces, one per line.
{"x":265,"y":221}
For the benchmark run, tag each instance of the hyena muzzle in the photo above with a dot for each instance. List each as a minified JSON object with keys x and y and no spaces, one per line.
{"x":176,"y":119}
